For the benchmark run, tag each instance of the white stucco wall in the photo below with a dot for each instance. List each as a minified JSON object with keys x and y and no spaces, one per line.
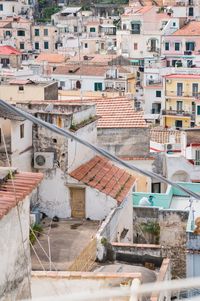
{"x":20,"y":144}
{"x":77,"y":153}
{"x":54,"y":195}
{"x":98,"y":204}
{"x":87,"y":82}
{"x":13,"y":266}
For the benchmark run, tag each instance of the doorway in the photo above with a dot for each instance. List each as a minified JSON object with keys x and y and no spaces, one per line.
{"x":77,"y":202}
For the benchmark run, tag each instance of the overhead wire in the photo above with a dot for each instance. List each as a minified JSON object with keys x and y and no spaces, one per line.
{"x":95,"y":148}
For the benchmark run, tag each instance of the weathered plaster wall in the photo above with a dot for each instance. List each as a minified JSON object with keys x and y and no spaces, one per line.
{"x":13,"y":265}
{"x":54,"y":197}
{"x":118,"y":219}
{"x":98,"y":205}
{"x":51,"y":92}
{"x":77,"y":153}
{"x":127,"y":142}
{"x":172,"y":236}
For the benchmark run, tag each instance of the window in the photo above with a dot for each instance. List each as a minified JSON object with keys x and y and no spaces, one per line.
{"x":75,"y":28}
{"x":62,"y":84}
{"x":98,"y":86}
{"x":155,"y":187}
{"x":166,"y":46}
{"x":8,"y":33}
{"x":37,"y":45}
{"x":21,"y":45}
{"x":198,"y":110}
{"x":37,"y":32}
{"x":46,"y":45}
{"x":92,"y":29}
{"x":135,"y":46}
{"x":135,"y":28}
{"x":189,"y":46}
{"x":177,"y":46}
{"x":197,"y":157}
{"x":191,"y":12}
{"x":5,"y":62}
{"x":21,"y":33}
{"x":21,"y":88}
{"x":21,"y":131}
{"x":179,"y":106}
{"x":46,"y":32}
{"x":179,"y":89}
{"x":158,"y":93}
{"x":1,"y":7}
{"x":0,"y":137}
{"x":178,"y":123}
{"x":86,"y":45}
{"x":194,"y":89}
{"x":124,"y":27}
{"x":174,"y":24}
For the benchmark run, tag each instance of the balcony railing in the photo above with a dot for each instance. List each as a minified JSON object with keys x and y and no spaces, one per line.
{"x":182,"y":94}
{"x":176,"y":113}
{"x":153,"y":82}
{"x":153,"y":49}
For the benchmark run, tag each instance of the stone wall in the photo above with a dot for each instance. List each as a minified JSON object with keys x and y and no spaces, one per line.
{"x":172,"y":237}
{"x":125,"y":142}
{"x":51,"y":92}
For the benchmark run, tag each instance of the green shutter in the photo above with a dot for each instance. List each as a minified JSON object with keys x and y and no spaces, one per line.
{"x":198,"y":110}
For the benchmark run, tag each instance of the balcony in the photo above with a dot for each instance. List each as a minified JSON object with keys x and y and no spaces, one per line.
{"x":153,"y":82}
{"x":153,"y":49}
{"x":176,"y":113}
{"x":178,"y":94}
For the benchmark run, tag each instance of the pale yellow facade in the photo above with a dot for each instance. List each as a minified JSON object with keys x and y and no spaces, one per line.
{"x":180,"y":97}
{"x":18,"y":92}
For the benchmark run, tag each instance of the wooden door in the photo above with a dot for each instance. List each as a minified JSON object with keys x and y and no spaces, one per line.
{"x":77,"y":202}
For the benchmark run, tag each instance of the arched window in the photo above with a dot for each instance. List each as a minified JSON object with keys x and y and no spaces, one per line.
{"x":78,"y":84}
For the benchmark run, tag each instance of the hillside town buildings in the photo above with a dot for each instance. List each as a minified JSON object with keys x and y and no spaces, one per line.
{"x":99,"y":148}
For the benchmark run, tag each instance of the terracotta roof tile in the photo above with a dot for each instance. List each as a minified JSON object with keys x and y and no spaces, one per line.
{"x":10,"y":195}
{"x":9,"y":50}
{"x":85,"y":70}
{"x":190,"y":29}
{"x":101,"y":174}
{"x":51,"y":57}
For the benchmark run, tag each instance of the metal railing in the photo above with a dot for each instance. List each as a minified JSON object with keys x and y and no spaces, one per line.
{"x":176,"y":112}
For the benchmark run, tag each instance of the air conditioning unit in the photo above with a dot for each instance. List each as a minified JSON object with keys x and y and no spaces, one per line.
{"x":168,"y":147}
{"x":43,"y":160}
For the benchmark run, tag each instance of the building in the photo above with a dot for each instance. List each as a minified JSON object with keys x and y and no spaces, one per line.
{"x":181,"y":48}
{"x":84,"y":77}
{"x":26,"y":90}
{"x":10,"y":57}
{"x":120,"y":128}
{"x":181,"y":90}
{"x":16,"y":139}
{"x":44,"y":38}
{"x":14,"y":240}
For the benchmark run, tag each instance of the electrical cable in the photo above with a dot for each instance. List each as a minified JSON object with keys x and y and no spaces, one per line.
{"x":14,"y":110}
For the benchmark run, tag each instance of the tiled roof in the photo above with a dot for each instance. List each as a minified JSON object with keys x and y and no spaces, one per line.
{"x":190,"y":29}
{"x":24,"y":183}
{"x":163,"y":135}
{"x":197,"y":76}
{"x":118,"y":113}
{"x":51,"y":58}
{"x":101,"y":174}
{"x":84,"y":70}
{"x":9,"y":50}
{"x":113,"y":112}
